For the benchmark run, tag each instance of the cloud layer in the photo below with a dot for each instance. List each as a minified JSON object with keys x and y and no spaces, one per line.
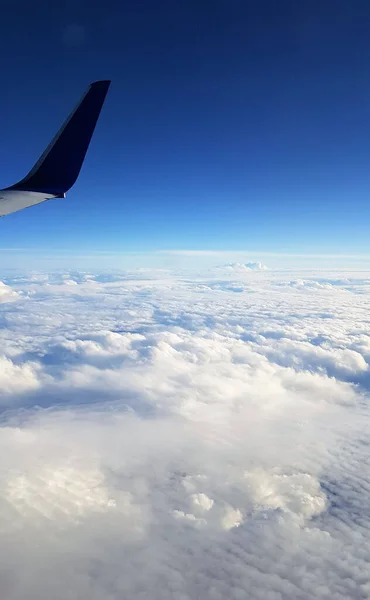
{"x":181,"y":438}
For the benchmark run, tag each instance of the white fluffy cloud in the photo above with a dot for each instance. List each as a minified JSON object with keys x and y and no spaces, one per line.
{"x":7,"y":294}
{"x":242,"y":267}
{"x":177,"y":438}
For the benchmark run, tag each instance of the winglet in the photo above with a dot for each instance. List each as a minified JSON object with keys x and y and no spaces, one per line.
{"x":58,"y":167}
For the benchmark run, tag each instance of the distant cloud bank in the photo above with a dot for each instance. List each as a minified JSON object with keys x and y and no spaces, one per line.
{"x":249,"y":266}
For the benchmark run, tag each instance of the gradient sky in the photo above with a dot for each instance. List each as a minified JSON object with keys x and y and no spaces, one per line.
{"x":229,"y":124}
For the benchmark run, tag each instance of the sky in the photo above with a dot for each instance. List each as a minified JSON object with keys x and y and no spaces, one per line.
{"x":229,"y":126}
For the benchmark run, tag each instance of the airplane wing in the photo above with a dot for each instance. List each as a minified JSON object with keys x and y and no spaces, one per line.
{"x":58,"y":167}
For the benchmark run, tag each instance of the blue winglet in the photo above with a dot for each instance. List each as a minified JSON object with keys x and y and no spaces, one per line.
{"x":59,"y":166}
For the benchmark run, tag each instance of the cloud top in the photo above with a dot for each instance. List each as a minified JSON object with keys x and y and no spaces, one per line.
{"x":241,"y":267}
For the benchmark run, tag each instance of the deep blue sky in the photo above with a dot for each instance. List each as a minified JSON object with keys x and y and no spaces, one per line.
{"x":230,"y":124}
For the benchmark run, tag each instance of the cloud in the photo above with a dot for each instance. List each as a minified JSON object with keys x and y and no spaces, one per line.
{"x":256,"y":266}
{"x":165,"y":437}
{"x":241,"y":267}
{"x":7,"y":294}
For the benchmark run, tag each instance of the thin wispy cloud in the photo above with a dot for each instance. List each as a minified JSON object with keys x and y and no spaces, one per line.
{"x":262,"y":253}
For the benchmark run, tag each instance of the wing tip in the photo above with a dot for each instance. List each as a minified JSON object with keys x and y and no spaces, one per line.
{"x":103,"y":83}
{"x":58,"y":167}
